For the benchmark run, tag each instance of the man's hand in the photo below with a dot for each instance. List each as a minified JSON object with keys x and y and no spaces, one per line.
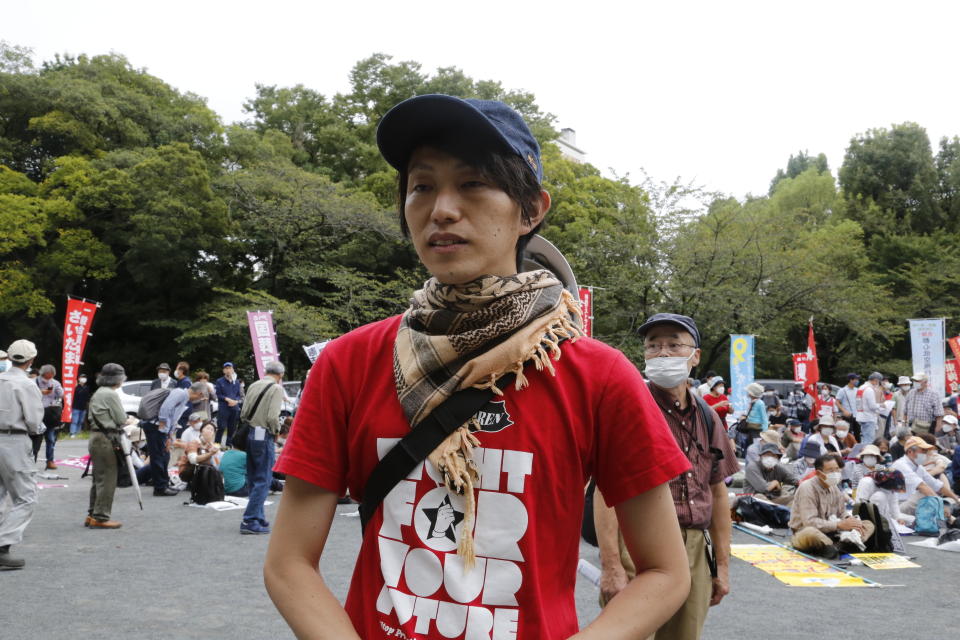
{"x":773,"y":485}
{"x":721,"y":586}
{"x":162,"y":424}
{"x":613,"y":580}
{"x":849,"y":524}
{"x":230,"y":402}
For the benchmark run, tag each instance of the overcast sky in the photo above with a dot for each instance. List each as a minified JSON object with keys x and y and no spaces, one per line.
{"x":720,"y":93}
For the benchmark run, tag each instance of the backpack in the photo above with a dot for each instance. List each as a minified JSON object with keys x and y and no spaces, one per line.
{"x":150,"y":403}
{"x":882,"y":539}
{"x":929,"y":516}
{"x":206,"y":484}
{"x":763,"y":513}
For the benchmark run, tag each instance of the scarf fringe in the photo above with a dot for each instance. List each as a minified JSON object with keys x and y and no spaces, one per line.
{"x":454,"y":457}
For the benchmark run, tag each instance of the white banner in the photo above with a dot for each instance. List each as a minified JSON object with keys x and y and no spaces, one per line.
{"x":927,"y":339}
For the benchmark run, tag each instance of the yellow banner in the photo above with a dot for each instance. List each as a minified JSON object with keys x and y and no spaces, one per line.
{"x":793,"y":569}
{"x":884,"y":560}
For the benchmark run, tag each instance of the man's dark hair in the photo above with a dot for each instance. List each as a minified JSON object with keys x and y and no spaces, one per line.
{"x":827,"y":457}
{"x":508,"y":171}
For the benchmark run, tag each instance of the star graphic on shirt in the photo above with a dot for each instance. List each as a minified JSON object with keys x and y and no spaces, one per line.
{"x":434,"y":514}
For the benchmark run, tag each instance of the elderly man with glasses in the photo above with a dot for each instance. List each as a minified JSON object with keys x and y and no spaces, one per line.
{"x":671,"y":350}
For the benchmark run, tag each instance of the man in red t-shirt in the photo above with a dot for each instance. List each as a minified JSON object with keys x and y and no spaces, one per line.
{"x":497,"y":558}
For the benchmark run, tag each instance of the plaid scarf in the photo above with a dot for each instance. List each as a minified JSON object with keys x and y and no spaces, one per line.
{"x":457,"y":336}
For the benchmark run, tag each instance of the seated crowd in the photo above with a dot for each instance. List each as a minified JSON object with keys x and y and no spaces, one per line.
{"x":823,"y":469}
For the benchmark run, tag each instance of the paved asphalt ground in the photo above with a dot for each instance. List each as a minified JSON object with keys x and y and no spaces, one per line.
{"x":185,"y":572}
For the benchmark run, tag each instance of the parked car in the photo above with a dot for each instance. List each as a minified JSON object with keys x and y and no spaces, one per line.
{"x":291,"y":397}
{"x":131,"y":391}
{"x":784,"y":387}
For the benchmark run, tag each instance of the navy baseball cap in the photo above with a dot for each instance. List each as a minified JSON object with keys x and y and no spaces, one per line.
{"x":226,"y":364}
{"x":853,"y":376}
{"x":671,"y":318}
{"x":488,"y":123}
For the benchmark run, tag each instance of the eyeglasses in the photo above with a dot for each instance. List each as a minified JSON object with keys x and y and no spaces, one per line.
{"x":670,"y":348}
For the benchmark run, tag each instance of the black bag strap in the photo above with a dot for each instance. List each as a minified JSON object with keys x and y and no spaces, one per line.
{"x":256,"y":403}
{"x":414,"y":447}
{"x":704,"y":410}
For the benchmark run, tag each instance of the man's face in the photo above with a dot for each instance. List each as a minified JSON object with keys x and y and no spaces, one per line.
{"x":853,"y":382}
{"x":195,"y":396}
{"x":196,"y":424}
{"x":228,"y":371}
{"x":670,"y":340}
{"x":830,"y":466}
{"x":48,"y":375}
{"x":904,"y":388}
{"x":163,"y":373}
{"x":462,"y":225}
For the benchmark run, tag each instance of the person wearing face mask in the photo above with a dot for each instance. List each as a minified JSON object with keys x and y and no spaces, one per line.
{"x":769,"y":478}
{"x":163,"y":379}
{"x":803,"y":465}
{"x":870,"y":460}
{"x":844,"y":437}
{"x":868,"y":406}
{"x":924,"y":409}
{"x":792,"y":438}
{"x":798,"y":404}
{"x":192,"y":433}
{"x":818,"y":513}
{"x":716,"y":397}
{"x":919,"y":482}
{"x":947,"y":435}
{"x":671,"y":349}
{"x":824,"y":437}
{"x":826,"y":405}
{"x":4,"y":361}
{"x":81,"y":397}
{"x":758,"y":420}
{"x":900,"y":401}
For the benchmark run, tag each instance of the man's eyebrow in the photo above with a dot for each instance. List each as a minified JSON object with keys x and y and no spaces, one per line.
{"x":667,"y":335}
{"x":420,"y":165}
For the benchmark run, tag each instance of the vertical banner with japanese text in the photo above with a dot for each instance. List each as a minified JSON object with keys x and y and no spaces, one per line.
{"x":927,"y":344}
{"x":263,"y":337}
{"x":741,"y":370}
{"x":953,"y":374}
{"x":76,"y":330}
{"x":586,"y":309}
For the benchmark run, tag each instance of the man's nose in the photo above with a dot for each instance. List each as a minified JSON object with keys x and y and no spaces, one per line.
{"x":446,"y":206}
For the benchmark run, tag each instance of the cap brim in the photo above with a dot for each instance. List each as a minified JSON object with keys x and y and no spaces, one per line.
{"x":412,"y":121}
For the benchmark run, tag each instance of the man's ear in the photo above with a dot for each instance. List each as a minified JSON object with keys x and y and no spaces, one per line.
{"x":695,"y":358}
{"x":543,"y":205}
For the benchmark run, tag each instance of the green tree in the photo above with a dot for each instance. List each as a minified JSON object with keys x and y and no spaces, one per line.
{"x":894,"y":169}
{"x":798,"y":164}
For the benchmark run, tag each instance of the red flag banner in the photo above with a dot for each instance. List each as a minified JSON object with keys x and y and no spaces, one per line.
{"x":953,"y":374}
{"x":812,"y":372}
{"x":586,"y":309}
{"x":76,"y":330}
{"x":955,"y":346}
{"x":801,"y":367}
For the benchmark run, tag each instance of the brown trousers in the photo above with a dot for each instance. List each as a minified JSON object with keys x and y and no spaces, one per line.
{"x":687,"y":622}
{"x":812,"y":539}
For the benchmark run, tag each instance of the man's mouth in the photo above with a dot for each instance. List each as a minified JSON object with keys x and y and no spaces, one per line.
{"x":441,"y":240}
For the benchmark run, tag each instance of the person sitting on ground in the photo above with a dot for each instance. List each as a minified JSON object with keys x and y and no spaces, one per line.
{"x":195,"y":423}
{"x":919,"y":482}
{"x":823,"y":436}
{"x":716,"y":397}
{"x":870,"y":460}
{"x":883,"y":488}
{"x":233,"y":466}
{"x":948,"y":438}
{"x":792,"y":438}
{"x":770,"y":436}
{"x":936,"y":462}
{"x":774,"y":406}
{"x":818,"y":513}
{"x":769,"y":478}
{"x":845,"y":438}
{"x":884,"y":445}
{"x":896,"y":443}
{"x":198,"y":452}
{"x":803,"y":465}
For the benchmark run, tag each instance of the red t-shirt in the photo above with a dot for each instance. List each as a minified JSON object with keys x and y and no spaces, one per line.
{"x":538,"y":449}
{"x":713,"y":400}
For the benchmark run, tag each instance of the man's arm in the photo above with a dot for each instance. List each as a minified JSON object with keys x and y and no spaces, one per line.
{"x":720,"y":534}
{"x":613,"y":577}
{"x":663,"y":572}
{"x":754,"y":479}
{"x":291,"y":571}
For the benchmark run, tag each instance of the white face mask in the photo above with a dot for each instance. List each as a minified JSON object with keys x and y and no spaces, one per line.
{"x":869,"y":461}
{"x":4,"y":365}
{"x":833,"y":478}
{"x":842,"y":434}
{"x":921,"y":458}
{"x":720,"y":391}
{"x":795,"y":428}
{"x":947,"y":427}
{"x":809,"y":461}
{"x":196,"y":427}
{"x":826,"y":432}
{"x":668,"y":372}
{"x":163,"y":377}
{"x":82,"y":380}
{"x":768,"y":462}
